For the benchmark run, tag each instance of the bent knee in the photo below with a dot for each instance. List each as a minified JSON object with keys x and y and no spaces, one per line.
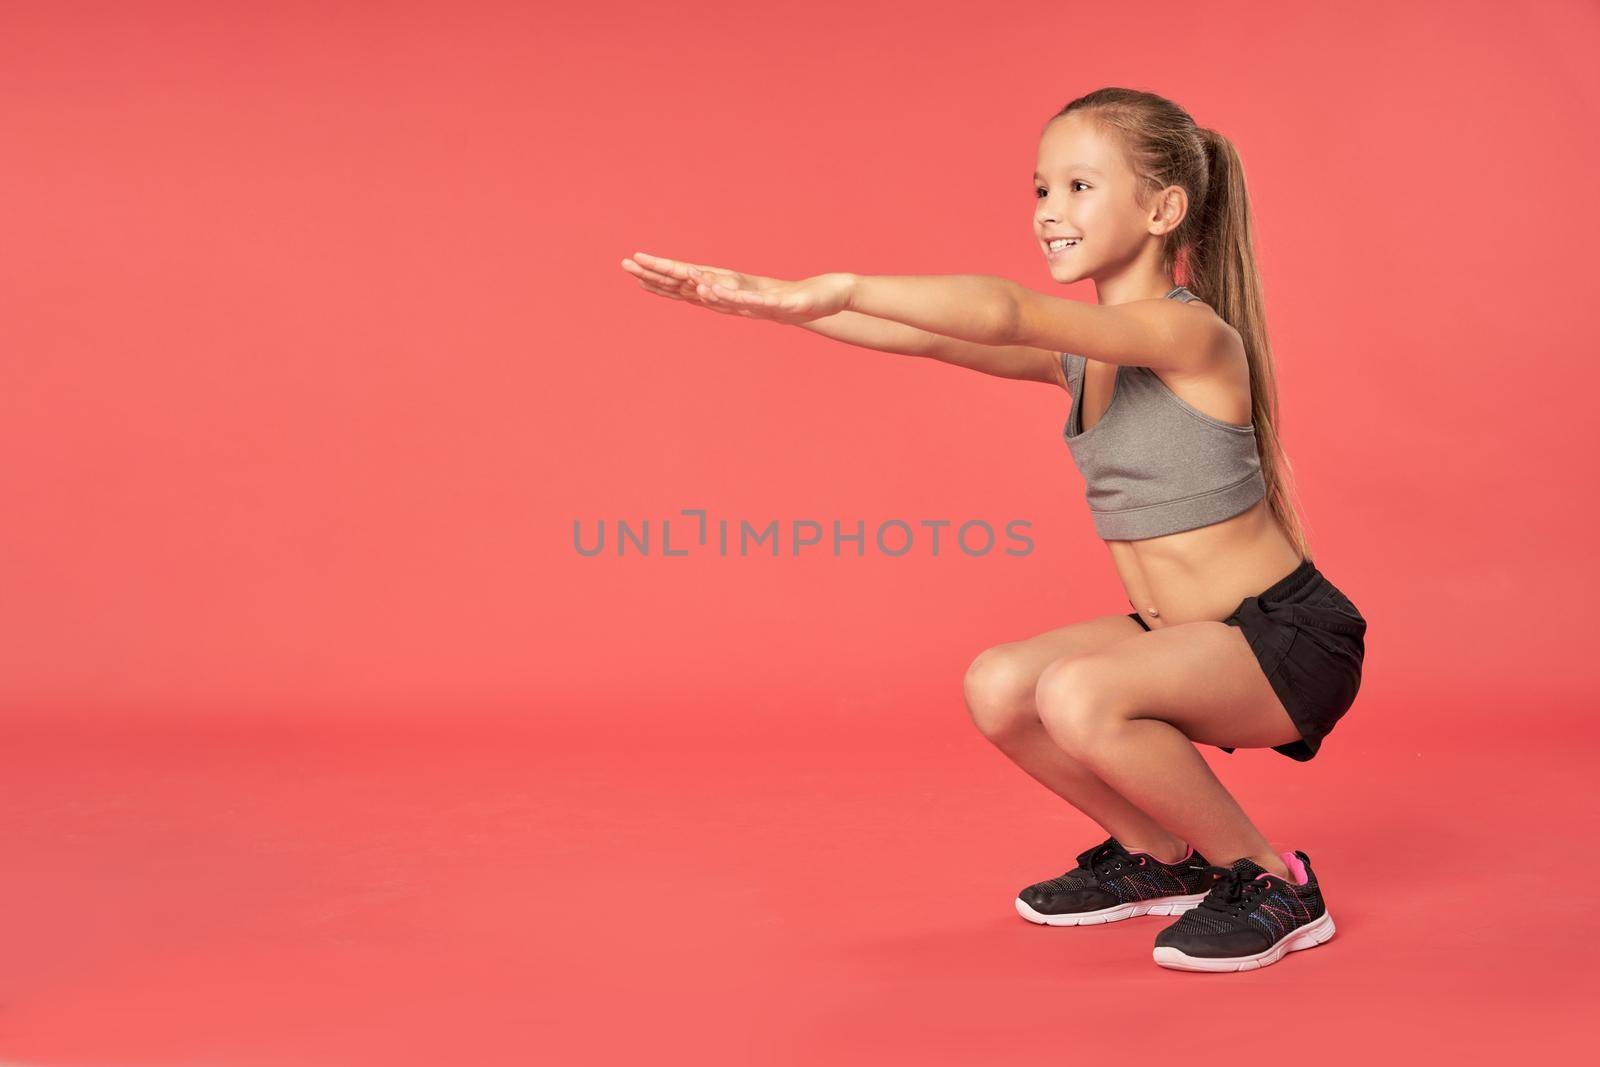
{"x":999,"y":692}
{"x":1078,"y":704}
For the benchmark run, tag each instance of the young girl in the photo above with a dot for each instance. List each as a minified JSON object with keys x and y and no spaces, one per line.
{"x":1236,"y":639}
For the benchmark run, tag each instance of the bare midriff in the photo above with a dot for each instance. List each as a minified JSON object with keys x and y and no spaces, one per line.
{"x":1204,"y":573}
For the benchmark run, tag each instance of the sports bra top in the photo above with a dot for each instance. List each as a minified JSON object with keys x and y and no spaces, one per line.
{"x":1153,"y":464}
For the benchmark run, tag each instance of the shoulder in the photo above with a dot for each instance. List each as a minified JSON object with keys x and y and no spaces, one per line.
{"x":1217,"y":360}
{"x":1210,"y":337}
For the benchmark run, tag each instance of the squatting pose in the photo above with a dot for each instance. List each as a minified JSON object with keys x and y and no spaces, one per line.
{"x":1236,"y":639}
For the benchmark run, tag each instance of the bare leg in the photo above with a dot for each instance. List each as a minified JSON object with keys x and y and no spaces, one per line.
{"x":1000,"y":690}
{"x":1133,"y":711}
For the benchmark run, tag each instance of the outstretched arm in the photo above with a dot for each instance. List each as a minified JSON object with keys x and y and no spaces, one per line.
{"x":997,"y":311}
{"x":972,"y":307}
{"x":695,"y":284}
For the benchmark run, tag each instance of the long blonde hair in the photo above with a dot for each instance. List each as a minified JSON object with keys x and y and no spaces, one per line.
{"x":1212,"y":245}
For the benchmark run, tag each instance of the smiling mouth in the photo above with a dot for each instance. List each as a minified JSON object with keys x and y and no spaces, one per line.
{"x":1055,"y":248}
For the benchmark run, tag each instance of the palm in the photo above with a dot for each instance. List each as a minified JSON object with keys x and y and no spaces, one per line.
{"x":787,"y":302}
{"x":791,"y":303}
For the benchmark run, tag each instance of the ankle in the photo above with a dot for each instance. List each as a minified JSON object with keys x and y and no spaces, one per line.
{"x":1273,"y":863}
{"x":1167,"y":850}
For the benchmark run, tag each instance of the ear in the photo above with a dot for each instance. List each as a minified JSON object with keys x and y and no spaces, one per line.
{"x":1171,"y":205}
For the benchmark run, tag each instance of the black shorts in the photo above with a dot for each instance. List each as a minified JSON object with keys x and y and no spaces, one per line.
{"x":1310,"y":640}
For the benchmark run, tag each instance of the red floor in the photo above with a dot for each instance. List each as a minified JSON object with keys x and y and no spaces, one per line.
{"x":713,"y":891}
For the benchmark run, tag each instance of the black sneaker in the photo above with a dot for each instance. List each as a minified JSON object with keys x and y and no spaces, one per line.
{"x":1248,"y":920}
{"x":1111,"y":883}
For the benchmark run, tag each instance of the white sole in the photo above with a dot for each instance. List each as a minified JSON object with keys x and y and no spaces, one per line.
{"x":1156,"y":906}
{"x":1310,"y":935}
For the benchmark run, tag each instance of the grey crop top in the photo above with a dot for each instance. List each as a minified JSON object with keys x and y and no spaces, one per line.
{"x":1155,"y":465}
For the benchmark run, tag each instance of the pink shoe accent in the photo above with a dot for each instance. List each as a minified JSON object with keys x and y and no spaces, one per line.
{"x":1296,"y":868}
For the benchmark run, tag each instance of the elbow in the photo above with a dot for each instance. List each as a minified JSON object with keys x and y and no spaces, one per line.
{"x":1007,"y":329}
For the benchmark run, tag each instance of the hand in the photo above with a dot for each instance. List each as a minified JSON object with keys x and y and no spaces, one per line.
{"x":680,"y":280}
{"x":787,"y":302}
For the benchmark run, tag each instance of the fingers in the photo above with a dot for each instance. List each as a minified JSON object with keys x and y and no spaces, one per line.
{"x":713,"y":277}
{"x":662,"y":265}
{"x":647,"y":275}
{"x":689,"y":274}
{"x":656,"y":263}
{"x":667,"y":285}
{"x":712,"y":288}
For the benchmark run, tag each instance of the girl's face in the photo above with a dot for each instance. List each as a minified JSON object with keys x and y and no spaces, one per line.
{"x":1083,"y":191}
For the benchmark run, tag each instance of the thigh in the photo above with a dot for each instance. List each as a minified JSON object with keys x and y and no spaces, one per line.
{"x":1201,"y":677}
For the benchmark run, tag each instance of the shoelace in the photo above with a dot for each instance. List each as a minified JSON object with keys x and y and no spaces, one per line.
{"x":1232,"y":893}
{"x":1106,"y":858}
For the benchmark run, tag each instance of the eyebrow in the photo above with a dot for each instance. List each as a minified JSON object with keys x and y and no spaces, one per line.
{"x":1075,"y":166}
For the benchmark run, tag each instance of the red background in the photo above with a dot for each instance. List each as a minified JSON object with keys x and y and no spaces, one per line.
{"x":315,"y":345}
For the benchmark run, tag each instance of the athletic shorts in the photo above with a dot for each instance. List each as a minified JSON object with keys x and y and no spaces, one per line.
{"x":1309,"y":639}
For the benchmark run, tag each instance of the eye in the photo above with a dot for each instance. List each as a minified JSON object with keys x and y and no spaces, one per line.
{"x":1039,"y":190}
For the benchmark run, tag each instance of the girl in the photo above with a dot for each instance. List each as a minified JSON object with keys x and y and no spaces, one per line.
{"x":1236,"y":639}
